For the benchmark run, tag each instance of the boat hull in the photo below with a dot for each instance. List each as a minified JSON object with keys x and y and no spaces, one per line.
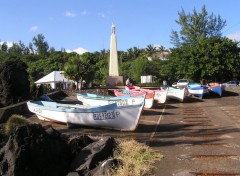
{"x":149,"y":99}
{"x":93,"y":99}
{"x":177,"y":94}
{"x":124,"y":118}
{"x":160,"y":96}
{"x":215,"y":88}
{"x":197,"y":90}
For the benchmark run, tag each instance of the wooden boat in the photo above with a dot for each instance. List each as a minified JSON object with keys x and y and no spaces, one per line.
{"x":215,"y":88}
{"x":93,"y":99}
{"x":149,"y":99}
{"x":160,"y":95}
{"x":176,"y":93}
{"x":124,"y":118}
{"x":197,"y":89}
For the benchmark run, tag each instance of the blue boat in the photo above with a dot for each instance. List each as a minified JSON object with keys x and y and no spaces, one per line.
{"x":197,"y":89}
{"x":215,"y":88}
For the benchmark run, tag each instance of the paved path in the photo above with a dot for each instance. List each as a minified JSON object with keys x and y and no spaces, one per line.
{"x":200,"y":138}
{"x":197,"y":137}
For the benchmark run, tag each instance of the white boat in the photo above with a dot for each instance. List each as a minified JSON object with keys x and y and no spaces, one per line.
{"x":93,"y":99}
{"x":124,"y":118}
{"x":160,"y":95}
{"x":176,"y":93}
{"x":149,"y":100}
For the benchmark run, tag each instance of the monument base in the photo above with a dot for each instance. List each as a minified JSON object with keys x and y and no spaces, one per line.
{"x":114,"y":80}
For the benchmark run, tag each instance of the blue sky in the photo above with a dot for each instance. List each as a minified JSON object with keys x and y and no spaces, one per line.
{"x":73,"y":24}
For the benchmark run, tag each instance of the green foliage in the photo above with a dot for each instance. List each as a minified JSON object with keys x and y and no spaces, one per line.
{"x":201,"y":52}
{"x":101,"y":71}
{"x":151,"y":49}
{"x":211,"y":59}
{"x":80,"y":68}
{"x":13,"y":122}
{"x":41,"y":45}
{"x":197,"y":26}
{"x":138,"y":68}
{"x":14,"y":85}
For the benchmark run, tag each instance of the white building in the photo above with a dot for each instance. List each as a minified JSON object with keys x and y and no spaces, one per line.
{"x":54,"y":78}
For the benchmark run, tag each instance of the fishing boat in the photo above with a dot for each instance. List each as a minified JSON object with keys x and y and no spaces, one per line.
{"x":160,"y":95}
{"x":215,"y":88}
{"x":132,"y":87}
{"x":197,"y":89}
{"x":94,"y":99}
{"x":176,"y":93}
{"x":124,"y":118}
{"x":149,"y":99}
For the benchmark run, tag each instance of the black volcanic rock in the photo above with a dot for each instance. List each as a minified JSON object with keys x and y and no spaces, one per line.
{"x":90,"y":156}
{"x":30,"y":151}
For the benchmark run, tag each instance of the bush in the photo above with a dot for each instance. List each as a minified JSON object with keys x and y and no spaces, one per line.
{"x":13,"y":122}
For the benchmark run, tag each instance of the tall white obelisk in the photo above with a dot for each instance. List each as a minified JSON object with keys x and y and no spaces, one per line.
{"x":113,"y":63}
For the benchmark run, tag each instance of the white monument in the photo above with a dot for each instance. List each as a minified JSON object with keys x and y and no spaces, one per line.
{"x":113,"y":64}
{"x":114,"y":78}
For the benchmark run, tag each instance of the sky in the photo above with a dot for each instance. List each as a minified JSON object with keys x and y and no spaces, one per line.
{"x":85,"y":25}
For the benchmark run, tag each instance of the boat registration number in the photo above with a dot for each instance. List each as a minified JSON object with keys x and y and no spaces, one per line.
{"x":106,"y":115}
{"x":120,"y":103}
{"x":37,"y":110}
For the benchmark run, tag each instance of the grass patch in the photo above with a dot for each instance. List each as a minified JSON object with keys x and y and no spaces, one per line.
{"x":14,"y":121}
{"x":137,"y":159}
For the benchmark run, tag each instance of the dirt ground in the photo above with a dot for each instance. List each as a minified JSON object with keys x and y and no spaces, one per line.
{"x":199,"y":137}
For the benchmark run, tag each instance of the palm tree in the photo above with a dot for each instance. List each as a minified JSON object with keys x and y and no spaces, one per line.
{"x":136,"y":52}
{"x":71,"y":69}
{"x":79,"y":68}
{"x":130,"y":53}
{"x":151,"y":49}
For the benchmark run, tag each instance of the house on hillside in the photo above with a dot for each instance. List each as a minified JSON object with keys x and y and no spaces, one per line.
{"x":162,"y":55}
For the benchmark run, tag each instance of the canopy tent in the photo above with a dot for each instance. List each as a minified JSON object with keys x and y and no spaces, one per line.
{"x":53,"y":78}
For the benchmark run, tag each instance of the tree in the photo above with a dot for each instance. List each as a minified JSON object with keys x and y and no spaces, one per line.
{"x":151,"y":49}
{"x":41,"y":45}
{"x":201,"y":52}
{"x":80,"y":68}
{"x":16,"y":50}
{"x":14,"y":84}
{"x":138,"y":68}
{"x":197,"y":26}
{"x":4,"y":47}
{"x":214,"y":59}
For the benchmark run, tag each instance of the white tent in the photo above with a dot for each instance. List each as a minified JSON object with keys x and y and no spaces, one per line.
{"x":53,"y":78}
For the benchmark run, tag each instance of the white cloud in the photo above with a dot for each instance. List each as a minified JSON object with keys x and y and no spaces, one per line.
{"x":70,"y":14}
{"x":101,"y":14}
{"x":84,"y":12}
{"x":78,"y":50}
{"x":234,"y":36}
{"x":33,"y":29}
